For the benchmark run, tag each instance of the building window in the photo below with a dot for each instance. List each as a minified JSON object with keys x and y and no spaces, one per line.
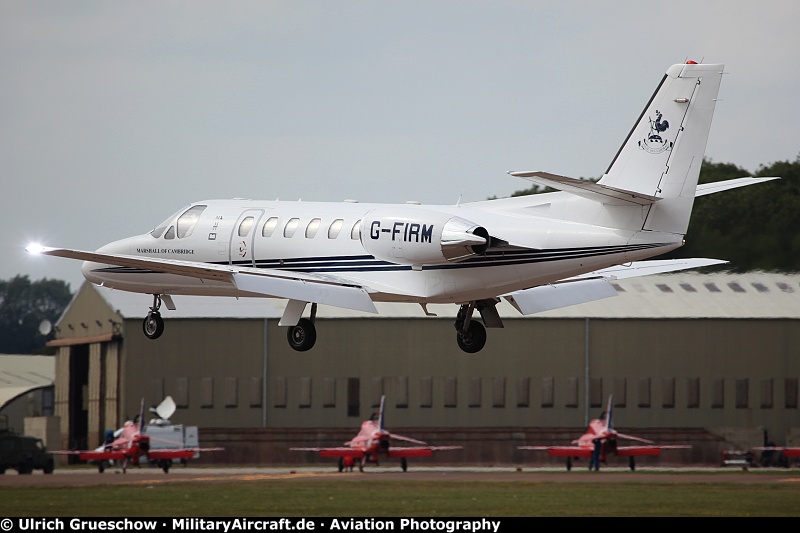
{"x":353,"y":397}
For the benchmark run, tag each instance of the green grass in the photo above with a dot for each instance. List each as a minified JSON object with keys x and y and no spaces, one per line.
{"x":365,"y":498}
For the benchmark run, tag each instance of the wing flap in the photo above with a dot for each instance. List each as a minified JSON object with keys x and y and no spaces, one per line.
{"x":348,"y":297}
{"x":548,"y":297}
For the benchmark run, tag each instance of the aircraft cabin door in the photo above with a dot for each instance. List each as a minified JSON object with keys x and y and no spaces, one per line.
{"x":242,"y":248}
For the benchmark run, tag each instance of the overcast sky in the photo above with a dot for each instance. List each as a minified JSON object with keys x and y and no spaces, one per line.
{"x":113,"y":115}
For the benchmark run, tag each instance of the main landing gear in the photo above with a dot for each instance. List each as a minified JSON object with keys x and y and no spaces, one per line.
{"x":470,"y":335}
{"x":153,"y":325}
{"x":303,"y":335}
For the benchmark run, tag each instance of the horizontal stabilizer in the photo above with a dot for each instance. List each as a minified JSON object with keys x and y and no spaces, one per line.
{"x":587,"y":189}
{"x":548,"y":297}
{"x":645,"y":268}
{"x":719,"y":186}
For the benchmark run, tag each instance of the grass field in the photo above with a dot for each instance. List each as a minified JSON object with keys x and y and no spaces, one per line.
{"x":367,"y":498}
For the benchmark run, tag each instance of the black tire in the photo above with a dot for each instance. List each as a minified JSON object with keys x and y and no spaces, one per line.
{"x":302,"y":336}
{"x":49,"y":466}
{"x":404,"y":464}
{"x":26,"y":467}
{"x":341,"y":464}
{"x":632,"y":463}
{"x":165,"y":464}
{"x":569,"y":464}
{"x":474,"y":339}
{"x":101,"y":467}
{"x":153,"y":325}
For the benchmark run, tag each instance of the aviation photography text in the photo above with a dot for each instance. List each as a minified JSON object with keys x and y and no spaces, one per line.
{"x":226,"y":525}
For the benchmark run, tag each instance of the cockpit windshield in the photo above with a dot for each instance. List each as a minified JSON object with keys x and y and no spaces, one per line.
{"x":186,"y":222}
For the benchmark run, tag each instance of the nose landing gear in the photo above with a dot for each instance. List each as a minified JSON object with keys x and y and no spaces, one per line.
{"x":153,"y":325}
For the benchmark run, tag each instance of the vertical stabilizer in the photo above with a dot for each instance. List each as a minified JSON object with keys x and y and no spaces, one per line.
{"x":380,"y":414}
{"x":663,"y":152}
{"x":609,"y":426}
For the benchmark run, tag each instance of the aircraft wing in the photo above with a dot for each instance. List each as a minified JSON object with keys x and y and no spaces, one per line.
{"x":594,"y":285}
{"x":417,"y":451}
{"x":406,"y":439}
{"x":786,"y":451}
{"x":561,"y":451}
{"x":110,"y":455}
{"x":333,"y":452}
{"x":322,"y":289}
{"x":638,"y":451}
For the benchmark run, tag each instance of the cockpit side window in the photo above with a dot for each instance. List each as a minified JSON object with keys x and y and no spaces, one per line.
{"x":170,"y":234}
{"x":188,"y":220}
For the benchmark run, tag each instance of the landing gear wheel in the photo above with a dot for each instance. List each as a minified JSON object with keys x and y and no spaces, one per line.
{"x":404,"y":464}
{"x":153,"y":325}
{"x":632,"y":463}
{"x":302,"y":336}
{"x":474,"y":339}
{"x":341,"y":464}
{"x":165,"y":464}
{"x":569,"y":464}
{"x":101,"y":467}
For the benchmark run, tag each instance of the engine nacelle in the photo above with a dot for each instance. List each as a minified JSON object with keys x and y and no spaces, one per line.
{"x":418,"y":236}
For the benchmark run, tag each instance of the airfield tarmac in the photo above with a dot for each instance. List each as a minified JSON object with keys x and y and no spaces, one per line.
{"x":72,"y":477}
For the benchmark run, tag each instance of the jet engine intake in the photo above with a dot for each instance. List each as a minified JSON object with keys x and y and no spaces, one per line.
{"x":415,"y":236}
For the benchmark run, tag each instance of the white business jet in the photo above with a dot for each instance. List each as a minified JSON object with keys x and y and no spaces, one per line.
{"x":538,"y":252}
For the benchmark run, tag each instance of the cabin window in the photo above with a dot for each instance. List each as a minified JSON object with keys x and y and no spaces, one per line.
{"x":291,"y":227}
{"x":269,"y":227}
{"x":335,"y":228}
{"x":355,"y":233}
{"x":311,"y":229}
{"x":170,"y":234}
{"x":244,"y":226}
{"x":188,"y":220}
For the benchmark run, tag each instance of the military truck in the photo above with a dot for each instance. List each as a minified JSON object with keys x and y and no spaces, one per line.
{"x":24,"y":454}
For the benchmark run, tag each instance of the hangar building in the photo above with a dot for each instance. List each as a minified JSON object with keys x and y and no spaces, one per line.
{"x":712,"y":358}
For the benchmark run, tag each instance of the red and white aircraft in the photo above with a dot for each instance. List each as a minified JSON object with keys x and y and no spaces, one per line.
{"x":600,"y":440}
{"x":130,"y":445}
{"x":373,"y":441}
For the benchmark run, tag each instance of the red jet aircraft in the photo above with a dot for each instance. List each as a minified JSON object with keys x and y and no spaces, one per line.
{"x":599,"y":441}
{"x":131,"y":443}
{"x":374,"y":440}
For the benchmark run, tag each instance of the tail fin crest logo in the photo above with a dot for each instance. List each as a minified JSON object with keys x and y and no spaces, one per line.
{"x":654,"y":143}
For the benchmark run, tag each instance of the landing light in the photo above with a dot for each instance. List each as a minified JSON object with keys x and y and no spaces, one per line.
{"x":35,"y":248}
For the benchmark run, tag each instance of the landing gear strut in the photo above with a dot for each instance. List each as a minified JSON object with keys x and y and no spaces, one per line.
{"x":302,"y":336}
{"x":153,"y":325}
{"x":470,"y":336}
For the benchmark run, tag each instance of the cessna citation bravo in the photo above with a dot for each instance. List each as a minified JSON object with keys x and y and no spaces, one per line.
{"x":538,"y":252}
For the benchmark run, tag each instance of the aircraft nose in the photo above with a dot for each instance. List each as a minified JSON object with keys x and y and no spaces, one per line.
{"x":90,"y":269}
